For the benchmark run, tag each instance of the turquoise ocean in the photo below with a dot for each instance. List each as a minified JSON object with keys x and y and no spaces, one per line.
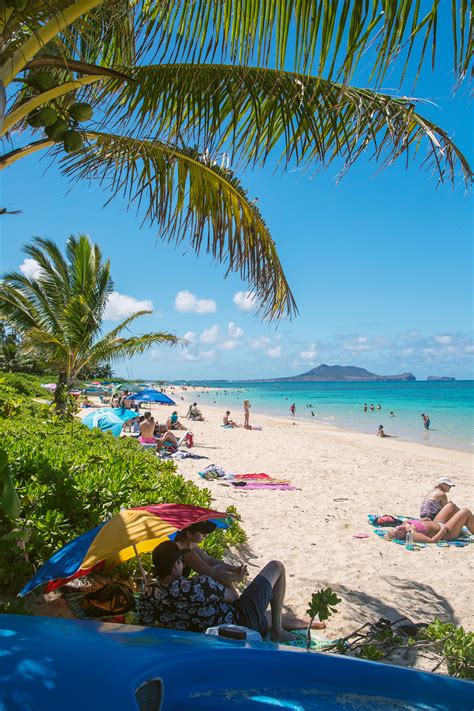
{"x":450,"y":406}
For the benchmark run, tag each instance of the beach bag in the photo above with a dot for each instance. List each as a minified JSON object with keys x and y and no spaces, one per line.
{"x":387,"y":521}
{"x":188,"y":439}
{"x":112,"y":599}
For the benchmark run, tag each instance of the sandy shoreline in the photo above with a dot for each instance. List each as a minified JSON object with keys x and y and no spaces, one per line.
{"x":341,"y":477}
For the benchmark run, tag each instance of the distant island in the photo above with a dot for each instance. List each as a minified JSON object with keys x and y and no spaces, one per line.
{"x":443,"y":378}
{"x":341,"y":373}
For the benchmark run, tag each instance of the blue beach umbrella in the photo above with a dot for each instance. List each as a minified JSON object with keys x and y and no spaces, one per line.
{"x":109,"y":419}
{"x":152,"y":396}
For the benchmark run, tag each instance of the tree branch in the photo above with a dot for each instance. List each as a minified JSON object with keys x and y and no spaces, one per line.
{"x":40,"y":39}
{"x":9,"y":158}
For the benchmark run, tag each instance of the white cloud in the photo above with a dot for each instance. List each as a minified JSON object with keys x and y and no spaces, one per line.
{"x":186,"y":354}
{"x":120,"y":306}
{"x":207,"y":355}
{"x":444,"y":340}
{"x":309,"y":354}
{"x":234,"y":330}
{"x":30,"y":268}
{"x":190,"y":336}
{"x":258,"y":343}
{"x":210,"y":335}
{"x":190,"y":304}
{"x":358,"y":344}
{"x":229,"y":345}
{"x":469,"y":349}
{"x":274,"y":352}
{"x":408,"y":351}
{"x":244,"y":301}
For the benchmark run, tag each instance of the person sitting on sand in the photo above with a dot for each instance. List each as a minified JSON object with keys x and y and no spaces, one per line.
{"x":194,"y":413}
{"x":173,"y":423}
{"x":381,"y":432}
{"x":200,"y":562}
{"x":200,"y":602}
{"x":227,"y":421}
{"x":437,"y":498}
{"x":147,"y":429}
{"x":167,"y":440}
{"x":445,"y":526}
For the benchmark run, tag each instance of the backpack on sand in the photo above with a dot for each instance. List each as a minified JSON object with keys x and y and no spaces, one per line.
{"x":112,"y":599}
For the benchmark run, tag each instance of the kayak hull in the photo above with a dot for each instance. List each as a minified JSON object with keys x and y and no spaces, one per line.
{"x":52,"y":663}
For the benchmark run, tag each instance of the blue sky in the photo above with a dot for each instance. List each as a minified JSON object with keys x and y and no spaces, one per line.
{"x":380,"y":264}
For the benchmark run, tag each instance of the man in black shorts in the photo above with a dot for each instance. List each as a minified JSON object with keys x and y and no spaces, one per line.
{"x":200,"y":602}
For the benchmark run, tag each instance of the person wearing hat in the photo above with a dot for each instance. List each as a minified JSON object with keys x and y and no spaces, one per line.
{"x":437,"y":498}
{"x":199,"y":602}
{"x":199,"y":561}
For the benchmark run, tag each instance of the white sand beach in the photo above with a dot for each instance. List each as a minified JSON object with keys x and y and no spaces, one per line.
{"x":341,"y":477}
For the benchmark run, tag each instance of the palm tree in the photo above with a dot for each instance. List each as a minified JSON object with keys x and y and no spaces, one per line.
{"x":59,"y":312}
{"x":219,"y":90}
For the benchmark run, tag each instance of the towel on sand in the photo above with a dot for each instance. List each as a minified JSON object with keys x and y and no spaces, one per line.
{"x":465,"y":537}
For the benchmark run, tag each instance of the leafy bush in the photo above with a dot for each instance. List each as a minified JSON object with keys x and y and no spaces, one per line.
{"x":455,"y":645}
{"x":69,"y":479}
{"x":24,"y":384}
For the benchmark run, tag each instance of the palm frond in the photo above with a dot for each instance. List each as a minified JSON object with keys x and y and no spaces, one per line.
{"x":109,"y":349}
{"x":252,"y":112}
{"x":326,"y":37}
{"x":190,"y":200}
{"x":106,"y":35}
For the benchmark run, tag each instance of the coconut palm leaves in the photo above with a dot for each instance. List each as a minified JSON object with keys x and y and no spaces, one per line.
{"x":192,"y":200}
{"x":59,"y":312}
{"x":329,"y":38}
{"x":147,"y":116}
{"x":253,"y":112}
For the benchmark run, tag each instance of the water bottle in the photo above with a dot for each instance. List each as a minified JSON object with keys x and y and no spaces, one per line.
{"x":409,"y":541}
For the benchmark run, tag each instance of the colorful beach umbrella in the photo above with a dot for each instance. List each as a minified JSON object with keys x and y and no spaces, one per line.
{"x":109,"y":419}
{"x":130,"y":532}
{"x":152,"y":396}
{"x":127,"y":387}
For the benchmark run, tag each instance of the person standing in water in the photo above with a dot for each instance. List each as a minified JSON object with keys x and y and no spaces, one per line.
{"x":293,"y":409}
{"x":426,"y":421}
{"x":365,"y":407}
{"x":247,"y":415}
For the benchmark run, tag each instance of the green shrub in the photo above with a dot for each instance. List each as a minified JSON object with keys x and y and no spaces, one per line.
{"x":25,"y":384}
{"x":69,"y":479}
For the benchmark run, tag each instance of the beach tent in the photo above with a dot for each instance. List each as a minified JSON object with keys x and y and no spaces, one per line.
{"x":152,"y":396}
{"x":109,"y":419}
{"x":49,"y":386}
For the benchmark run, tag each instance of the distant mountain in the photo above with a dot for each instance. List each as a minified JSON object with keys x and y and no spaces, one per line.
{"x":443,"y":378}
{"x":341,"y":373}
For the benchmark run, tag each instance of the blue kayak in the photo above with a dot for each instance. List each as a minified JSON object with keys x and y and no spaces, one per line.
{"x":50,"y":664}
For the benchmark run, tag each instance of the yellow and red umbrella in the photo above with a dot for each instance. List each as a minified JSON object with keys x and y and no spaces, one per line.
{"x":130,"y":532}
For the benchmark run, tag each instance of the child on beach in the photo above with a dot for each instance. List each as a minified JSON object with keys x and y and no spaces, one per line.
{"x":293,"y":409}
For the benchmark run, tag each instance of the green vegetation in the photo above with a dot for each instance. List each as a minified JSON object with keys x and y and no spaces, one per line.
{"x":322,"y":605}
{"x":59,"y":312}
{"x":69,"y":478}
{"x":449,"y":648}
{"x":220,"y":88}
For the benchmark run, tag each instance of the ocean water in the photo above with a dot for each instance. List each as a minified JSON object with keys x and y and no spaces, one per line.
{"x":450,"y":406}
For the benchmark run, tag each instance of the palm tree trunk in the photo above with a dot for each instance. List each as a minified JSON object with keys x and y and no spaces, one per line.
{"x":61,"y":396}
